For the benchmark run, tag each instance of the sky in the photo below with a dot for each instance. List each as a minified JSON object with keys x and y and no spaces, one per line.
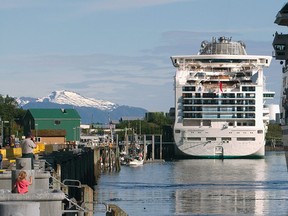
{"x":119,"y":50}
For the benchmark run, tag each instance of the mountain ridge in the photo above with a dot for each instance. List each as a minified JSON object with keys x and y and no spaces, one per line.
{"x":91,"y":110}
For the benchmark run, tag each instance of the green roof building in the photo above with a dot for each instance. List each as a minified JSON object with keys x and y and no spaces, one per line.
{"x":53,"y":122}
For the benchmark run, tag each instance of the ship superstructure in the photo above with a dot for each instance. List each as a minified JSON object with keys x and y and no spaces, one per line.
{"x":220,"y":101}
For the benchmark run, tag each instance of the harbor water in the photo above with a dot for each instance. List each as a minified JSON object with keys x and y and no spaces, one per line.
{"x":199,"y":187}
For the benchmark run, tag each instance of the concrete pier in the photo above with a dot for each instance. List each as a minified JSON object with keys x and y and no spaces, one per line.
{"x":62,"y":184}
{"x":40,"y":199}
{"x":49,"y":202}
{"x":23,"y":208}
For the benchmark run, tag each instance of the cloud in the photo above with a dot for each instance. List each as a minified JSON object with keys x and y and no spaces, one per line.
{"x":108,"y":77}
{"x":114,"y":77}
{"x":22,"y":4}
{"x":89,"y":5}
{"x":126,"y":4}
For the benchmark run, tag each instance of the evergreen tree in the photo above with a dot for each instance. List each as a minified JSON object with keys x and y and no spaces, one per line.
{"x":11,"y":116}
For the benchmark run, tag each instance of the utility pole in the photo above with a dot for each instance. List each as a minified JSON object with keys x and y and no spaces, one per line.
{"x":1,"y":144}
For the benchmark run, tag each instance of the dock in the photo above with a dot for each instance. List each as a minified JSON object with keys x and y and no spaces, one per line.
{"x":64,"y":177}
{"x":63,"y":182}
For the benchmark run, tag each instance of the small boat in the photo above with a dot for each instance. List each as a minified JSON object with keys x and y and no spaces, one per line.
{"x":136,"y":162}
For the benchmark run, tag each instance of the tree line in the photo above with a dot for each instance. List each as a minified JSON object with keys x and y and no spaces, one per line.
{"x":154,"y":123}
{"x":11,"y":117}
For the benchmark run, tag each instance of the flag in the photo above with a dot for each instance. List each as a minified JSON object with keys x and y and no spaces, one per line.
{"x":220,"y":86}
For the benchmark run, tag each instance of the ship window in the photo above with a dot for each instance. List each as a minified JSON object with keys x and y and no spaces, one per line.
{"x":194,"y":138}
{"x":207,"y":123}
{"x":226,"y":139}
{"x":187,"y":95}
{"x":209,"y":102}
{"x":250,"y":108}
{"x":260,"y":131}
{"x":188,"y":88}
{"x":252,"y":123}
{"x":250,"y":95}
{"x":240,"y":95}
{"x":245,"y":138}
{"x":250,"y":115}
{"x":209,"y":95}
{"x":211,"y":139}
{"x":177,"y":131}
{"x":250,"y":102}
{"x":268,"y":95}
{"x":200,"y":75}
{"x":248,"y":88}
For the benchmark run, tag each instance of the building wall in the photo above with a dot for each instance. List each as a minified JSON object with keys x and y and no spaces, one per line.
{"x":52,"y":140}
{"x":72,"y":127}
{"x":38,"y":120}
{"x":273,"y":111}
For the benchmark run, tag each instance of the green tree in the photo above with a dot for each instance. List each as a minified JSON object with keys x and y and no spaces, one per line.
{"x":11,"y":115}
{"x":152,"y":124}
{"x":274,"y":134}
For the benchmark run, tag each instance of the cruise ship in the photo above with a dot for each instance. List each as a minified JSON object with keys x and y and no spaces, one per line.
{"x":220,"y":102}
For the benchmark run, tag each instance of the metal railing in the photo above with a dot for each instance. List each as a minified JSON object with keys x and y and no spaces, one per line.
{"x":79,"y":209}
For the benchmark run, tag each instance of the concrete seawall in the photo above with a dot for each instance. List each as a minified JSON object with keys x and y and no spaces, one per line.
{"x":63,"y":182}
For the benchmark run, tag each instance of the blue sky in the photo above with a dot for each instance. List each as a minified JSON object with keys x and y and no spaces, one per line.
{"x":119,"y":50}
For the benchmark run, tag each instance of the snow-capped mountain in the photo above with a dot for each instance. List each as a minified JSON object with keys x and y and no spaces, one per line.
{"x":22,"y":101}
{"x":70,"y":98}
{"x":90,"y":109}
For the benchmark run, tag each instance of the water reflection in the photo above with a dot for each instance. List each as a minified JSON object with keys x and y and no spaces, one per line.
{"x":228,"y":186}
{"x":200,"y":187}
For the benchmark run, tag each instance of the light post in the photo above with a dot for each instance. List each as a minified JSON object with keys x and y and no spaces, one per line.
{"x":2,"y":131}
{"x":36,"y":129}
{"x":79,"y":133}
{"x":74,"y":132}
{"x":1,"y":141}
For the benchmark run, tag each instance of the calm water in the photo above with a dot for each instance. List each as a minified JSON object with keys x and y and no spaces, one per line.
{"x":200,"y":187}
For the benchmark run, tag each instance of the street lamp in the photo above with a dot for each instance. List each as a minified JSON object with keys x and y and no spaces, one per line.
{"x":74,"y":132}
{"x":2,"y":131}
{"x":36,"y":129}
{"x":1,"y":141}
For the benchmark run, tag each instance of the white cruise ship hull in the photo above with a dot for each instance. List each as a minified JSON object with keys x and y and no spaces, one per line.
{"x":218,"y":148}
{"x":220,"y":96}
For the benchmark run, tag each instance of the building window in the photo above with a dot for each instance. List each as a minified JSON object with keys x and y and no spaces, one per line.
{"x":57,"y":122}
